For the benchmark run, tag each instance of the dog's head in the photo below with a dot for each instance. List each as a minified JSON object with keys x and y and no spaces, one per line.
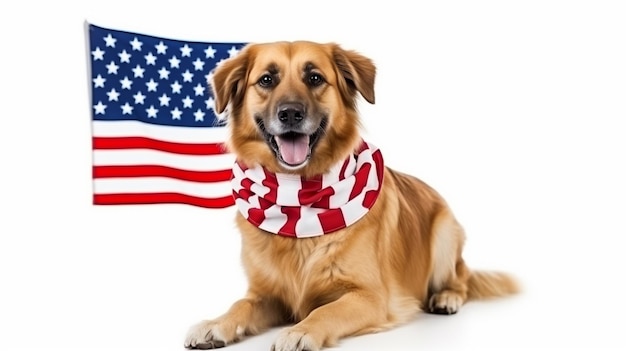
{"x":291,"y":106}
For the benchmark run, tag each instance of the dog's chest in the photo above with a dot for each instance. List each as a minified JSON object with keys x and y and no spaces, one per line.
{"x":298,"y":271}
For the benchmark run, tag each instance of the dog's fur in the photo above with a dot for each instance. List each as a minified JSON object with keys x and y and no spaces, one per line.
{"x":402,"y":257}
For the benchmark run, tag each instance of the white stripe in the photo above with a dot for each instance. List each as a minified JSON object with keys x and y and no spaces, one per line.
{"x":274,"y":219}
{"x":153,"y":157}
{"x":158,"y":185}
{"x":166,"y":133}
{"x":309,"y":224}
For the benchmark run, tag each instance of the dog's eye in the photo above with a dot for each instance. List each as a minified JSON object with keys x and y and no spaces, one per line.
{"x":315,"y":79}
{"x":266,"y":81}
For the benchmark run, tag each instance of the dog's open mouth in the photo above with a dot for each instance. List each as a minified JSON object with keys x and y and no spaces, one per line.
{"x":292,"y":149}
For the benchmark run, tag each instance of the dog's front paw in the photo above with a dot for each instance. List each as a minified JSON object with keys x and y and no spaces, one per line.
{"x":206,"y":335}
{"x":291,"y":339}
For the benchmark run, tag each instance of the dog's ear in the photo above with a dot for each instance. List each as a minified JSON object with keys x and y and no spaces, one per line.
{"x":358,"y":73}
{"x":229,"y":81}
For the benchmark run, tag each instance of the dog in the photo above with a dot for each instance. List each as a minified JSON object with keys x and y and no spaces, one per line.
{"x":334,"y":243}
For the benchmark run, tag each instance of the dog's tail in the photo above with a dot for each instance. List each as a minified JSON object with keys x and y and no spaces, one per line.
{"x":484,"y":284}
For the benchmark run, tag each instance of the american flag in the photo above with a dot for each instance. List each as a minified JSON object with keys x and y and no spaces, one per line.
{"x":155,"y":136}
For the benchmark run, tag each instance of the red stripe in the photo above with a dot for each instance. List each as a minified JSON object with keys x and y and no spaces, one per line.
{"x":160,"y":198}
{"x":153,"y":144}
{"x":161,"y":171}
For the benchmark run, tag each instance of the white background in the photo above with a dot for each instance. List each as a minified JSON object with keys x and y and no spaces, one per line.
{"x":513,"y":110}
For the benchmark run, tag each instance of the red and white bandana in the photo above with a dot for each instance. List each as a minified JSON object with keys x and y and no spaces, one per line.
{"x":288,"y":205}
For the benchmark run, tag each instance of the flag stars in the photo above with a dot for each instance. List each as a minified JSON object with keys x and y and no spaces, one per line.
{"x":210,"y":52}
{"x":110,"y":41}
{"x":126,"y":83}
{"x":210,"y":103}
{"x":112,"y":68}
{"x":139,"y":98}
{"x":174,"y":62}
{"x":138,"y":71}
{"x":98,"y":54}
{"x":127,"y":109}
{"x":187,"y":102}
{"x":164,"y":73}
{"x":199,"y":89}
{"x":186,"y":51}
{"x":99,"y":108}
{"x":136,"y":44}
{"x":199,"y":115}
{"x":164,"y":100}
{"x":98,"y":82}
{"x":152,"y":85}
{"x":198,"y":64}
{"x":187,"y":76}
{"x":152,"y":112}
{"x":161,"y":48}
{"x":124,"y":56}
{"x":176,"y":113}
{"x":233,"y":51}
{"x":113,"y":95}
{"x":176,"y":87}
{"x":150,"y":59}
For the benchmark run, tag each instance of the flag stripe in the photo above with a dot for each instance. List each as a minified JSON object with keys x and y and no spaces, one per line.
{"x":157,"y":198}
{"x":153,"y":157}
{"x":121,"y":129}
{"x":149,"y":143}
{"x":158,"y":185}
{"x":161,"y":171}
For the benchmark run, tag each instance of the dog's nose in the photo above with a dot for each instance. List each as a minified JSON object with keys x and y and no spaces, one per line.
{"x":291,"y":114}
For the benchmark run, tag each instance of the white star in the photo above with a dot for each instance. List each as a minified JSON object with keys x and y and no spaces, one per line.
{"x":210,"y":52}
{"x":176,"y":113}
{"x":150,"y":59}
{"x":127,"y":109}
{"x":138,"y":71}
{"x":161,"y":48}
{"x":152,"y":112}
{"x":100,"y":108}
{"x":233,"y":51}
{"x":110,"y":41}
{"x":187,"y":76}
{"x":112,"y":68}
{"x":98,"y":82}
{"x":139,"y":98}
{"x":199,"y":115}
{"x":164,"y":73}
{"x":126,"y":83}
{"x":113,"y":95}
{"x":174,"y":62}
{"x":187,"y":102}
{"x":210,"y":103}
{"x":124,"y":56}
{"x":152,"y":85}
{"x":186,"y":51}
{"x":198,"y":64}
{"x":199,"y":89}
{"x":98,"y":54}
{"x":176,"y":87}
{"x":136,"y":44}
{"x":164,"y":100}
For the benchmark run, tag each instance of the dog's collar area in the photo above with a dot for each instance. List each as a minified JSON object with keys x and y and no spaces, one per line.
{"x":293,"y":206}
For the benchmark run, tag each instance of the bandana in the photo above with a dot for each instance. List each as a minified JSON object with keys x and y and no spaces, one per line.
{"x":290,"y":205}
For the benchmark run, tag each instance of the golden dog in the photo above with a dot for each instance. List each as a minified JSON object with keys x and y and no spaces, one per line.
{"x":291,"y":109}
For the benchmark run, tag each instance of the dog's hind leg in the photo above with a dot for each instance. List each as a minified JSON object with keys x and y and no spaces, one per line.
{"x":448,"y":282}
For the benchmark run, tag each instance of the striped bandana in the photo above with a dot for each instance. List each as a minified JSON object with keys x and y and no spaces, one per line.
{"x":289,"y":205}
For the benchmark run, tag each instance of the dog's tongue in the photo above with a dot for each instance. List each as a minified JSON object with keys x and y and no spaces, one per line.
{"x":294,"y":151}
